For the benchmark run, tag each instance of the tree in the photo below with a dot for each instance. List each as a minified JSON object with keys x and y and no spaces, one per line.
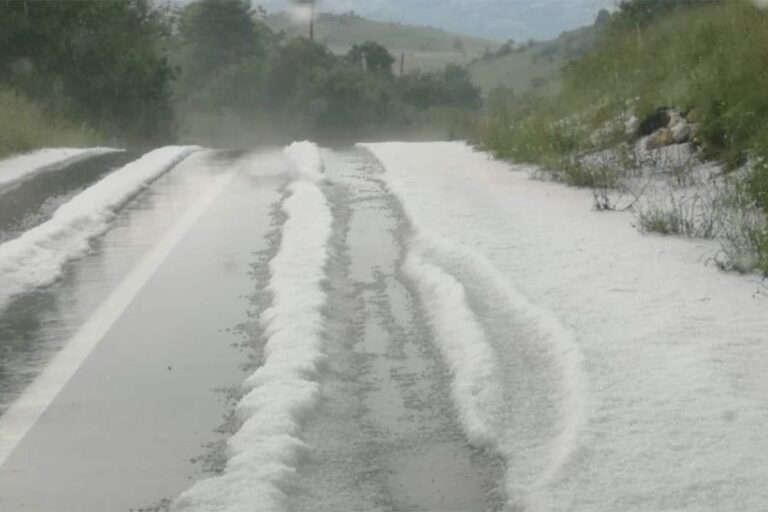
{"x":290,"y":70}
{"x":219,"y":34}
{"x":373,"y":57}
{"x":638,"y":13}
{"x":603,"y":18}
{"x":452,"y":87}
{"x":102,"y":61}
{"x":460,"y":91}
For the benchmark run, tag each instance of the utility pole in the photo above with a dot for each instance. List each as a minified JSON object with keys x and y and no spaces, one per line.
{"x":312,"y":20}
{"x":303,"y":6}
{"x":402,"y":64}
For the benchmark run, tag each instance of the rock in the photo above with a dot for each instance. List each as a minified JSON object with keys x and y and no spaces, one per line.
{"x":681,"y":130}
{"x":653,"y":122}
{"x":675,"y":118}
{"x":681,"y":133}
{"x":661,"y":138}
{"x":631,"y":125}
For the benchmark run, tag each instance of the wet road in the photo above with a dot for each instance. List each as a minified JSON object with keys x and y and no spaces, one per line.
{"x":31,"y":202}
{"x":118,"y":383}
{"x":138,"y":420}
{"x":386,"y":436}
{"x":298,"y":330}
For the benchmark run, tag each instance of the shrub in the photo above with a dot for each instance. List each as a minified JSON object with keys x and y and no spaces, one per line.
{"x":690,"y":217}
{"x":25,"y":126}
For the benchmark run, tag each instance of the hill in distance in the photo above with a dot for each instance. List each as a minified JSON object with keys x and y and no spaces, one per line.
{"x":529,"y":67}
{"x":425,"y":48}
{"x":533,"y":66}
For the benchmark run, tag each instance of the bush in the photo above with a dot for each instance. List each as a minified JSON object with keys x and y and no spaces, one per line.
{"x":99,"y":61}
{"x":25,"y":126}
{"x":298,"y":85}
{"x":690,"y":217}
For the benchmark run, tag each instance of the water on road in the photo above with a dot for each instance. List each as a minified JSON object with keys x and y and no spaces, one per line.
{"x":143,"y":415}
{"x":386,"y":436}
{"x":149,"y":409}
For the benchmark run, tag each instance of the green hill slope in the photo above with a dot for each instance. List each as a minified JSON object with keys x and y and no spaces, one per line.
{"x":533,"y":66}
{"x":425,"y":48}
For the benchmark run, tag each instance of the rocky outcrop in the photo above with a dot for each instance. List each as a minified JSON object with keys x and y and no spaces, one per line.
{"x":660,"y":138}
{"x":653,"y":122}
{"x":670,"y":126}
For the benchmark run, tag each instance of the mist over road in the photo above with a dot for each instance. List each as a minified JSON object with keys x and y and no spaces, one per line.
{"x":380,"y":327}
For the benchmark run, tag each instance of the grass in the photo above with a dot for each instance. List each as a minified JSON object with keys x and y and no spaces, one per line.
{"x":690,"y":217}
{"x":709,"y":60}
{"x":25,"y":126}
{"x":425,"y":48}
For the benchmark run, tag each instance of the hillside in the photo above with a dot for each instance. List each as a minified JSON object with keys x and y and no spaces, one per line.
{"x":494,"y":19}
{"x":425,"y":48}
{"x":667,"y":109}
{"x":534,"y":65}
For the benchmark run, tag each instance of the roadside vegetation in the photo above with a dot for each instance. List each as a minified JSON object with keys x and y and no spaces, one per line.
{"x":25,"y":126}
{"x":424,"y":48}
{"x":275,"y":86}
{"x":213,"y":72}
{"x":670,"y":86}
{"x":100,"y":64}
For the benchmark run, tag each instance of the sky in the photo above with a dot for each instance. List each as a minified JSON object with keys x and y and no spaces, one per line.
{"x":498,"y":19}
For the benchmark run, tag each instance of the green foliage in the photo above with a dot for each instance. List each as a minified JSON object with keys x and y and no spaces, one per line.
{"x":637,"y":13}
{"x":757,"y":184}
{"x":451,"y":88}
{"x":707,"y":58}
{"x":224,"y":49}
{"x":425,"y":48}
{"x":373,"y":57}
{"x":25,"y":126}
{"x":702,"y":56}
{"x":98,"y":61}
{"x":691,"y":217}
{"x":297,"y":84}
{"x":108,"y":65}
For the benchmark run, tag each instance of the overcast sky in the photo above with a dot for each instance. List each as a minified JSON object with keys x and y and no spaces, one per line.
{"x":500,"y":19}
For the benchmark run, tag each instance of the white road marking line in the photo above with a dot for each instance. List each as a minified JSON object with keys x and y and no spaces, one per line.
{"x":22,"y":415}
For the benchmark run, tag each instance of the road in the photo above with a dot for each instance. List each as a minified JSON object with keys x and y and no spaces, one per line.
{"x":149,"y":408}
{"x":392,"y":327}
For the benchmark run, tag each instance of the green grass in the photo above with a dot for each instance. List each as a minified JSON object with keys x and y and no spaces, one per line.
{"x":425,"y":48}
{"x":708,"y":59}
{"x":25,"y":126}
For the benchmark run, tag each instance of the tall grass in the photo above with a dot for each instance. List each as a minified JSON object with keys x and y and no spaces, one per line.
{"x":712,"y":60}
{"x":25,"y":126}
{"x":709,"y":59}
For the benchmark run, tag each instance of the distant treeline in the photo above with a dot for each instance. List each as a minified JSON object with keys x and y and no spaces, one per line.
{"x":134,"y":71}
